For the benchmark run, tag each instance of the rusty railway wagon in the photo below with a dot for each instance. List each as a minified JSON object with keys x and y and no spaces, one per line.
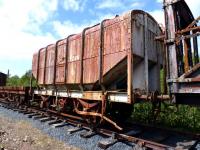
{"x":3,"y":78}
{"x":15,"y":95}
{"x":106,"y":62}
{"x":98,"y":74}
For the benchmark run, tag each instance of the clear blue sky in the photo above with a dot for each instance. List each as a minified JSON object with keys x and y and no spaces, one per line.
{"x":27,"y":25}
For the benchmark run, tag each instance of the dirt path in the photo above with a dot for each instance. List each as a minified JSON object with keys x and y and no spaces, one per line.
{"x":20,"y":135}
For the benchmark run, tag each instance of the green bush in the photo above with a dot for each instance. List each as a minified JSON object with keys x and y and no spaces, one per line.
{"x":23,"y":81}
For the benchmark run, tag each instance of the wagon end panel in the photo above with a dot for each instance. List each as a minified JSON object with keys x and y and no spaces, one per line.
{"x":147,"y":52}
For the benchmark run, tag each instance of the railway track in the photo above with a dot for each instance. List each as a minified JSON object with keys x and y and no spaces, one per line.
{"x":136,"y":135}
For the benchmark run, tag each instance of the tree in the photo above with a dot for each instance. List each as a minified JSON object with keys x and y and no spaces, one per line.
{"x":13,"y":81}
{"x":23,"y":81}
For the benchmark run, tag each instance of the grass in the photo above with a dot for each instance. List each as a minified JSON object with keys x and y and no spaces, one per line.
{"x":180,"y":117}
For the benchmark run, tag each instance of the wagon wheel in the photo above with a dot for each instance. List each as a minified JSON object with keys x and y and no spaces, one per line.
{"x":1,"y":95}
{"x":14,"y":100}
{"x":61,"y":104}
{"x":18,"y":100}
{"x":89,"y":108}
{"x":44,"y":103}
{"x":120,"y":111}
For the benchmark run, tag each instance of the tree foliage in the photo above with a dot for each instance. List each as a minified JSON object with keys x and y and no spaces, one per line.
{"x":23,"y":81}
{"x":13,"y":81}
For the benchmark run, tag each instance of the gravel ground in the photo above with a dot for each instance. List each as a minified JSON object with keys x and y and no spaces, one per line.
{"x":20,"y":135}
{"x":72,"y":141}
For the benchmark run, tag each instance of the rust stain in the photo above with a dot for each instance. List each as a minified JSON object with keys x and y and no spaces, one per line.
{"x":73,"y":60}
{"x":50,"y":59}
{"x":90,"y":56}
{"x":60,"y":63}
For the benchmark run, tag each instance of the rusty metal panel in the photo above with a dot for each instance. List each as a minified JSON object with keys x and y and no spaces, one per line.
{"x":73,"y":59}
{"x":41,"y":66}
{"x":35,"y":65}
{"x":49,"y":75}
{"x":50,"y":62}
{"x":71,"y":72}
{"x":117,"y":40}
{"x":42,"y":58}
{"x":72,"y":76}
{"x":61,"y":48}
{"x":41,"y":76}
{"x":90,"y":57}
{"x":60,"y":62}
{"x":90,"y":70}
{"x":50,"y":56}
{"x":60,"y":74}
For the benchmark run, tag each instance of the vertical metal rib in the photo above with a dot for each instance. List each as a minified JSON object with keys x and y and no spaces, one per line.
{"x":82,"y":54}
{"x":66,"y":58}
{"x":45,"y":58}
{"x":146,"y":66}
{"x":55,"y":61}
{"x":130,"y":65}
{"x":38,"y":62}
{"x":65,"y":67}
{"x":101,"y":53}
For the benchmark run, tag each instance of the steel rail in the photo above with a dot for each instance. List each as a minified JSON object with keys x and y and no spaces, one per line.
{"x":78,"y":121}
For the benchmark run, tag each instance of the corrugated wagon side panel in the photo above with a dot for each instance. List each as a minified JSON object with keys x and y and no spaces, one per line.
{"x":50,"y":60}
{"x":49,"y":73}
{"x":73,"y":60}
{"x":41,"y":66}
{"x":60,"y":63}
{"x":60,"y":77}
{"x":90,"y":57}
{"x":61,"y":48}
